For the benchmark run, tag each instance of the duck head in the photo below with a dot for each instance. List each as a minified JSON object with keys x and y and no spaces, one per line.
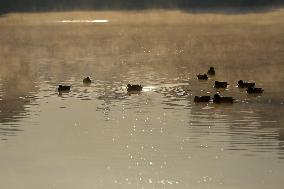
{"x":240,"y":82}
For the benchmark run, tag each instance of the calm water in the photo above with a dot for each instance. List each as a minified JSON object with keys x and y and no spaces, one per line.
{"x":98,"y":136}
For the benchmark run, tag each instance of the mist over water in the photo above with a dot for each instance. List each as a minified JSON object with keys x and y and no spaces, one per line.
{"x":99,"y":136}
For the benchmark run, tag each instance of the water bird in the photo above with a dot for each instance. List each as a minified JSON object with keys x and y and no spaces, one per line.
{"x":220,"y":84}
{"x":202,"y":98}
{"x":242,"y":84}
{"x":253,"y":90}
{"x":202,"y":76}
{"x":134,"y":88}
{"x":87,"y":80}
{"x":64,"y":88}
{"x":211,"y":71}
{"x":221,"y":99}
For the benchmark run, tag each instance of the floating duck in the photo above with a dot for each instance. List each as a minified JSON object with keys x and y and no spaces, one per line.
{"x":253,"y":90}
{"x":211,"y":71}
{"x":134,"y":88}
{"x":242,"y":84}
{"x":202,"y":77}
{"x":202,"y":98}
{"x":220,"y":84}
{"x":87,"y":80}
{"x":63,"y":88}
{"x":221,"y":99}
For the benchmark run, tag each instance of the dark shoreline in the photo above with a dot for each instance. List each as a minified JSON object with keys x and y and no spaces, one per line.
{"x":193,"y":6}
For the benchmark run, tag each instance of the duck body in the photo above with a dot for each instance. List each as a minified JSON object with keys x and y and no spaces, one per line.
{"x":134,"y":88}
{"x":253,"y":90}
{"x":64,"y":88}
{"x":201,"y":98}
{"x":202,"y":76}
{"x":87,"y":80}
{"x":220,"y":84}
{"x":242,"y":84}
{"x":221,"y":99}
{"x":211,"y":71}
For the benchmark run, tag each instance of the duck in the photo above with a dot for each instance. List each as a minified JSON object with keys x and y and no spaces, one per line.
{"x":202,"y":98}
{"x":254,"y":90}
{"x":211,"y":71}
{"x":221,"y":99}
{"x":136,"y":88}
{"x":87,"y":80}
{"x":202,"y":76}
{"x":220,"y":84}
{"x":64,"y":88}
{"x":242,"y":84}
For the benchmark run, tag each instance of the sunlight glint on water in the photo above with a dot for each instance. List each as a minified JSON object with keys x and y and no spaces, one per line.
{"x":83,"y":21}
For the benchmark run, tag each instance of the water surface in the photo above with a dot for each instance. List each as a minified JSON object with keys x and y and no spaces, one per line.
{"x":99,"y":136}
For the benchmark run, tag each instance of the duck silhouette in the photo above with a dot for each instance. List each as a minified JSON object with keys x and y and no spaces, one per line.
{"x":134,"y":88}
{"x":202,"y":76}
{"x":211,"y":71}
{"x":242,"y":84}
{"x":220,"y":84}
{"x":202,"y":98}
{"x":87,"y":80}
{"x":253,"y":90}
{"x":221,"y":99}
{"x":63,"y":88}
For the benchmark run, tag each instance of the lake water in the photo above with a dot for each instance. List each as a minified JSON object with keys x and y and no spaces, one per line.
{"x":99,"y":136}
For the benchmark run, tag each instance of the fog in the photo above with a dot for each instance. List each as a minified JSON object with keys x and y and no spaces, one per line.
{"x":229,"y":41}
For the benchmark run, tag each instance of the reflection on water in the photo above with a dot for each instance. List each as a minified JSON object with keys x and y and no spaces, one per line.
{"x":17,"y":95}
{"x":83,"y":21}
{"x":101,"y":136}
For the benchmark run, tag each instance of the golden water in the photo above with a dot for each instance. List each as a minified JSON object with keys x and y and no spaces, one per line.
{"x":98,"y":136}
